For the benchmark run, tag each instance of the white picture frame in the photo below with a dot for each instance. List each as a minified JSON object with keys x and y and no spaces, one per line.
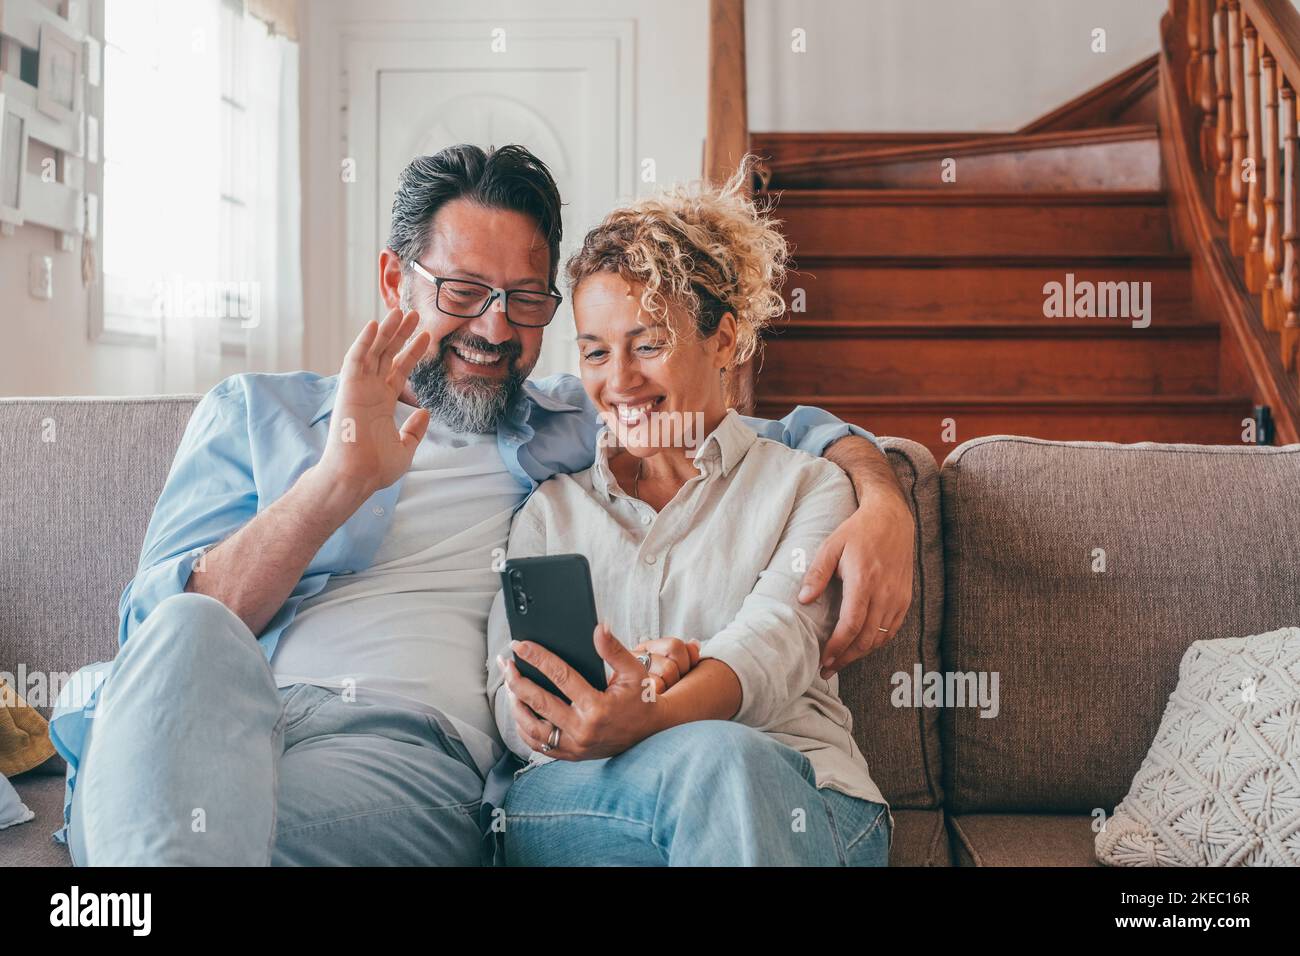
{"x":59,"y":77}
{"x":14,"y":131}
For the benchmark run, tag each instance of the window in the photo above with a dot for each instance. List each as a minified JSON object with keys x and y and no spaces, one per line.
{"x":132,"y":209}
{"x":176,"y":230}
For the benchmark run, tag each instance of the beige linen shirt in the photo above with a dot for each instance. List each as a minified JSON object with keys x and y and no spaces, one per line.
{"x":722,"y":563}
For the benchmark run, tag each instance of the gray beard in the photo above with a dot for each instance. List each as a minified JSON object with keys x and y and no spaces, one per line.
{"x":470,"y":407}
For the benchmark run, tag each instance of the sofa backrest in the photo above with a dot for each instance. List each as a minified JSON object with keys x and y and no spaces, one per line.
{"x":79,"y":479}
{"x":81,"y":476}
{"x":1197,"y":541}
{"x":901,"y":744}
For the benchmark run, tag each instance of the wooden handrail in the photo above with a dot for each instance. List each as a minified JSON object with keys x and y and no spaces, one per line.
{"x":1237,"y":69}
{"x":1278,"y":25}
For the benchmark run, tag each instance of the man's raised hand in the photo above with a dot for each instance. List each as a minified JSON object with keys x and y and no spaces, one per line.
{"x":366,"y":450}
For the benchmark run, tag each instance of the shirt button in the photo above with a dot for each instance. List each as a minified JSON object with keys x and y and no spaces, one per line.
{"x":645,"y":519}
{"x":377,"y":511}
{"x":649,"y":559}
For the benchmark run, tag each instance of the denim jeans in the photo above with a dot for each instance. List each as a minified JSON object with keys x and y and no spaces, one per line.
{"x":709,"y":793}
{"x":195,"y":758}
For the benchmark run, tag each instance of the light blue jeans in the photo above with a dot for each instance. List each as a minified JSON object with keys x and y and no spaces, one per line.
{"x":195,"y":758}
{"x":709,"y":793}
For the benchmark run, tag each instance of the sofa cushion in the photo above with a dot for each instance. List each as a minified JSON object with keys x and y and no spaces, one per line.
{"x":902,"y":744}
{"x":1022,"y":839}
{"x":920,"y":839}
{"x":920,"y":836}
{"x":1221,"y":785}
{"x":1195,"y":539}
{"x":80,"y":478}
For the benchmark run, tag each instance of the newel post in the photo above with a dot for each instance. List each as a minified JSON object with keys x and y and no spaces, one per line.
{"x":727,"y":139}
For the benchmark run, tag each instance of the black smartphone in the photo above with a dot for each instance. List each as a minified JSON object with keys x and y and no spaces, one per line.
{"x":549,"y":601}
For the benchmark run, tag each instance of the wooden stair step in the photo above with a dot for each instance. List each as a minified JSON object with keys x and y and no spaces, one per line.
{"x":833,"y":358}
{"x":1213,"y":420}
{"x":1048,"y":358}
{"x":947,"y":291}
{"x":840,"y":223}
{"x":1110,"y":158}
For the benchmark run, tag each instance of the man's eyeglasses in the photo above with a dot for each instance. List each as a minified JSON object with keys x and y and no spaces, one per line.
{"x":465,"y":299}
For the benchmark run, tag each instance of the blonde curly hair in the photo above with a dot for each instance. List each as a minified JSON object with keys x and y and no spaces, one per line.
{"x":709,"y":250}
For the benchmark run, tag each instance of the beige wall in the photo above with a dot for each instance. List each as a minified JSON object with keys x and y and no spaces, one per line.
{"x":45,"y":348}
{"x":988,"y":65}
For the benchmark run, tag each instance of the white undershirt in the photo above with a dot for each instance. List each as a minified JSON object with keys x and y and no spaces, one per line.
{"x":411,"y":629}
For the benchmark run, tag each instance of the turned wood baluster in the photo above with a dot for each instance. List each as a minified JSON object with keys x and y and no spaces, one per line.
{"x":1223,"y":120}
{"x":1237,"y":225}
{"x":1290,"y":238}
{"x":1255,"y":167}
{"x":1193,"y":49}
{"x":1208,"y":91}
{"x":1272,"y":195}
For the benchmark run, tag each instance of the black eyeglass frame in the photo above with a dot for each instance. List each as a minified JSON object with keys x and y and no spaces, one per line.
{"x":494,"y":293}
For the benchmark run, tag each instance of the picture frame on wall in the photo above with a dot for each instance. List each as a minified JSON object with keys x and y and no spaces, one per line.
{"x":13,"y":159}
{"x":60,"y":74}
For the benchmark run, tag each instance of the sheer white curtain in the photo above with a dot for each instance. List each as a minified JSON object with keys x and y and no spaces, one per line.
{"x":275,"y":338}
{"x":187,"y":245}
{"x":161,"y":181}
{"x":201,"y":191}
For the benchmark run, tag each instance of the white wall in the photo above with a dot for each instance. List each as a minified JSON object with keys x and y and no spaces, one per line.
{"x":671,"y":57}
{"x":45,"y":346}
{"x":909,"y":65}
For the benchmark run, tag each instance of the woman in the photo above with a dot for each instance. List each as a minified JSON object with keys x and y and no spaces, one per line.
{"x":731,"y":749}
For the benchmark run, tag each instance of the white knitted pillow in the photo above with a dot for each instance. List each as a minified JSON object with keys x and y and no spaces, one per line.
{"x":1221,"y":783}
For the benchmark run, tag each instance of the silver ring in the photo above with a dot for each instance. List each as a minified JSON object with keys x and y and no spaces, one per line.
{"x":645,"y":660}
{"x":883,"y":630}
{"x":554,"y":740}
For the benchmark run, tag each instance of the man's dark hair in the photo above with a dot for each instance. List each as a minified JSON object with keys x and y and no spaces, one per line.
{"x":508,"y":177}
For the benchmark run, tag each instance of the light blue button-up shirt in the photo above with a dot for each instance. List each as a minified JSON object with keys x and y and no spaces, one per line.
{"x":250,"y":439}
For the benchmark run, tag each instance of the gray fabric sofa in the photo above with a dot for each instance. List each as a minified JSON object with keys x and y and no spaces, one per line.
{"x":1198,"y":541}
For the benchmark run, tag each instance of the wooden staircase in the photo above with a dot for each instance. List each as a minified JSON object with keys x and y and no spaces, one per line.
{"x":918,"y":305}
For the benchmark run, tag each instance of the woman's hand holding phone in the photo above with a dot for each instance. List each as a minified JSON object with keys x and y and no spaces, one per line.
{"x":596,"y":724}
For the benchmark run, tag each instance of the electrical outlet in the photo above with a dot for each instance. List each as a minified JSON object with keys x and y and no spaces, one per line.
{"x":40,"y":276}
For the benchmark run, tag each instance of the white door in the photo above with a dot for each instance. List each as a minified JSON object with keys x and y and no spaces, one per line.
{"x":563,"y":93}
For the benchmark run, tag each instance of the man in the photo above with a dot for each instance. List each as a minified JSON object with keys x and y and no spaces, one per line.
{"x":301,"y":679}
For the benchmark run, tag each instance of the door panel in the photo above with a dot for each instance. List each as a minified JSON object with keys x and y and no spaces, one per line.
{"x":564,"y":96}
